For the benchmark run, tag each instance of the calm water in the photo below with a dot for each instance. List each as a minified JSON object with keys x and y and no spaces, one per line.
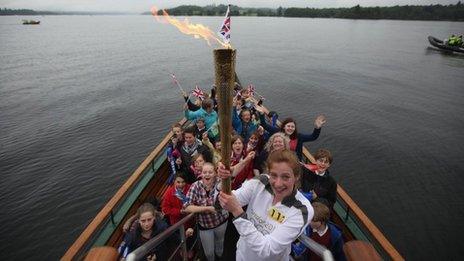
{"x":84,"y":99}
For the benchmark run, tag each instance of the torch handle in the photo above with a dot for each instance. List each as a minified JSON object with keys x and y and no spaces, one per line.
{"x":225,"y":78}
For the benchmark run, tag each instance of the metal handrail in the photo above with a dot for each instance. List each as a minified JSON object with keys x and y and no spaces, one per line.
{"x":319,"y":249}
{"x":154,"y":242}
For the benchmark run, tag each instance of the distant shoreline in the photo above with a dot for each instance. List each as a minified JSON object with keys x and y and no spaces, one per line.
{"x":426,"y":13}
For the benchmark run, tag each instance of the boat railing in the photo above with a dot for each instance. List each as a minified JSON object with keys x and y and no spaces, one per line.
{"x":360,"y":225}
{"x":179,"y":227}
{"x":100,"y":229}
{"x":317,"y":248}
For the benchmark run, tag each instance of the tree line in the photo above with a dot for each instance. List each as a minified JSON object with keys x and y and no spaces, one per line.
{"x":6,"y":11}
{"x":409,"y":12}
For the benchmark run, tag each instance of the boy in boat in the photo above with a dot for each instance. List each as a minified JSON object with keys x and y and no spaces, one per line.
{"x":324,"y":233}
{"x":200,"y":128}
{"x":319,"y":182}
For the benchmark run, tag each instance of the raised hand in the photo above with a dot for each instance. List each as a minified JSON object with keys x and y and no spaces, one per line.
{"x":251,"y":155}
{"x":319,"y":121}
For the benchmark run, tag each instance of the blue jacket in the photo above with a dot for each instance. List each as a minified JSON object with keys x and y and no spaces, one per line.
{"x":237,"y":124}
{"x":210,"y":118}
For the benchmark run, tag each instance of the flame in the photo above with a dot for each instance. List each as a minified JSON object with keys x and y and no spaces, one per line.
{"x":197,"y":30}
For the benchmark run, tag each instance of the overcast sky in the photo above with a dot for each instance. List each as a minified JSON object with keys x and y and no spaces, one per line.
{"x":144,"y":5}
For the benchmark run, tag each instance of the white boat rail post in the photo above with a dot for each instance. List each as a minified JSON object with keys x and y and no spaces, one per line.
{"x":320,"y":250}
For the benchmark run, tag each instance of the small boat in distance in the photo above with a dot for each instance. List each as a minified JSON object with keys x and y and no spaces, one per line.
{"x":441,"y":45}
{"x":31,"y":22}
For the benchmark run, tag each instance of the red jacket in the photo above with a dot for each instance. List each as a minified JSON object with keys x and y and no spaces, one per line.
{"x":172,"y":205}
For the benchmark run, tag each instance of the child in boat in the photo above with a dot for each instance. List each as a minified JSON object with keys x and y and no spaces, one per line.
{"x":174,"y":198}
{"x":323,"y":232}
{"x":177,"y":137}
{"x":200,"y":128}
{"x":256,"y":141}
{"x":190,"y":147}
{"x":149,"y":225}
{"x":212,"y":221}
{"x":197,"y":166}
{"x":172,"y":206}
{"x":206,"y":112}
{"x":319,"y":182}
{"x":242,"y":124}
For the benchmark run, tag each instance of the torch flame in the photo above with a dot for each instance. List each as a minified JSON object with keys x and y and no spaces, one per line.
{"x":197,"y":30}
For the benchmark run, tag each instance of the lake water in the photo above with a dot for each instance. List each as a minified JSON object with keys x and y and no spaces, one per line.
{"x":84,"y":99}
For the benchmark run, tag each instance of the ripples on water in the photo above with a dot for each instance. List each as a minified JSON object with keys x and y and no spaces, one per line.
{"x":84,"y":99}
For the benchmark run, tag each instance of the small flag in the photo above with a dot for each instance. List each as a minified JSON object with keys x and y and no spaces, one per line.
{"x":238,"y":95}
{"x":224,"y":32}
{"x":198,"y":93}
{"x":251,"y":90}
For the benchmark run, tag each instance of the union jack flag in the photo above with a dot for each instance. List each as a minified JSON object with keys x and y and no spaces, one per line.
{"x":224,"y":32}
{"x":251,"y":90}
{"x":198,"y":93}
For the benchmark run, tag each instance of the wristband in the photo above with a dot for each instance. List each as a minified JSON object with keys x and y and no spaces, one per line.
{"x":243,"y":215}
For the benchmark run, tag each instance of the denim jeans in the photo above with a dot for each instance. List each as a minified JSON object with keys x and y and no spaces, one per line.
{"x":212,"y":241}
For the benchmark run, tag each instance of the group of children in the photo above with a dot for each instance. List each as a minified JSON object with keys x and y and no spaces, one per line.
{"x":196,"y":187}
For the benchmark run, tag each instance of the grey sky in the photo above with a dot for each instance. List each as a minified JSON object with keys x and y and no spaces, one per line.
{"x":144,"y":5}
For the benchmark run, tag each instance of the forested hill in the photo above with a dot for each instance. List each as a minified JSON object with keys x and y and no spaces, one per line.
{"x":408,"y":12}
{"x":6,"y":11}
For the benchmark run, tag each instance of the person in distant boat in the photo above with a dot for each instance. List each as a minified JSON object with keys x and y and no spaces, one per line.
{"x":189,"y":148}
{"x":323,"y":232}
{"x":277,"y":212}
{"x":212,"y":221}
{"x":288,"y":127}
{"x":149,"y":225}
{"x":459,"y":41}
{"x":453,"y":40}
{"x":319,"y":182}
